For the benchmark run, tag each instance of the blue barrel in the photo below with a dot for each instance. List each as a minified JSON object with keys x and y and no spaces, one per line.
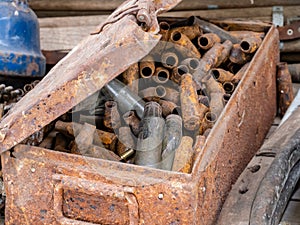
{"x":20,"y":53}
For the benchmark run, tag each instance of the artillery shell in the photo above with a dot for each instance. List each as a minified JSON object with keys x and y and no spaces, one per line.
{"x":177,"y":72}
{"x":168,"y":107}
{"x":112,"y":120}
{"x":126,"y":99}
{"x":209,"y":60}
{"x":208,"y":122}
{"x":238,"y":56}
{"x":101,"y":138}
{"x":171,"y":140}
{"x":189,"y":103}
{"x":222,"y":75}
{"x":225,"y":53}
{"x":153,"y":93}
{"x":206,"y":41}
{"x":149,"y":143}
{"x":216,"y":103}
{"x":184,"y":156}
{"x":132,"y":121}
{"x":184,"y":45}
{"x":284,"y":87}
{"x":211,"y":85}
{"x":250,"y":44}
{"x":169,"y":60}
{"x":161,"y":75}
{"x":228,"y":87}
{"x":147,"y":67}
{"x":130,"y":77}
{"x":85,"y":138}
{"x":192,"y":64}
{"x":102,"y":153}
{"x":191,"y":32}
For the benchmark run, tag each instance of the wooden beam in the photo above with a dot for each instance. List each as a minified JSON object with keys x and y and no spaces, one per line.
{"x":108,"y":5}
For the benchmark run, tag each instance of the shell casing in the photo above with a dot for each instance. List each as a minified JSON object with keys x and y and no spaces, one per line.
{"x":126,"y":99}
{"x":147,"y":67}
{"x":189,"y":103}
{"x":149,"y":144}
{"x":209,"y":60}
{"x":184,"y":45}
{"x":112,"y":119}
{"x":161,"y":75}
{"x":192,"y":64}
{"x":250,"y":44}
{"x":206,"y":41}
{"x":171,"y":140}
{"x":207,"y":122}
{"x":132,"y":121}
{"x":169,"y":60}
{"x":191,"y":32}
{"x":222,"y":75}
{"x":177,"y":72}
{"x":238,"y":56}
{"x":212,"y":86}
{"x":216,"y":103}
{"x":168,"y":107}
{"x":183,"y":160}
{"x":228,"y":87}
{"x":129,"y":77}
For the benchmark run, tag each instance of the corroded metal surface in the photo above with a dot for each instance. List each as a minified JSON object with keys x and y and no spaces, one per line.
{"x":41,"y":184}
{"x":85,"y":70}
{"x":239,"y":131}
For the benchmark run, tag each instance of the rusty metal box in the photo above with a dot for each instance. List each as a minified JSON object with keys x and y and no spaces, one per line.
{"x":49,"y":187}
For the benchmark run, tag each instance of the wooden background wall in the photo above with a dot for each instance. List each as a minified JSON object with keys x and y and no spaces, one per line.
{"x":64,"y":23}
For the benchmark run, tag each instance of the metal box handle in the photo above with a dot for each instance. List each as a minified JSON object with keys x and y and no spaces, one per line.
{"x":88,"y":202}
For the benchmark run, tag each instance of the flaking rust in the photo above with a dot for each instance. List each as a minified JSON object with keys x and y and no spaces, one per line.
{"x":77,"y":189}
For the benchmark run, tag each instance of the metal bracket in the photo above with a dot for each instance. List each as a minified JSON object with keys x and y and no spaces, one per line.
{"x":277,"y":16}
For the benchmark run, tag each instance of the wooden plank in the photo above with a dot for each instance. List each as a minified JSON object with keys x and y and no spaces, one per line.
{"x":296,"y":195}
{"x":291,"y":215}
{"x":237,"y":207}
{"x":253,"y":13}
{"x":64,"y":33}
{"x":109,"y":5}
{"x":75,"y":21}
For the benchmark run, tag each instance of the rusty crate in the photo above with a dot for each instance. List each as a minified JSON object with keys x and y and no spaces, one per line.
{"x":49,"y":187}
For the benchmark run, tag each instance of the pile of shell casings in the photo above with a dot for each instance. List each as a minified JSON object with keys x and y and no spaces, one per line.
{"x":159,"y":112}
{"x":10,"y":95}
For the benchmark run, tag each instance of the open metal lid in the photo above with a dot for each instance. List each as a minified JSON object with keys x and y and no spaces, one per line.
{"x":99,"y":58}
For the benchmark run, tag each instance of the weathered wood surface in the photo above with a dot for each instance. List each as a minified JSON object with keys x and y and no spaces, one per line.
{"x":108,"y":5}
{"x":262,"y":13}
{"x":64,"y":33}
{"x":292,"y":214}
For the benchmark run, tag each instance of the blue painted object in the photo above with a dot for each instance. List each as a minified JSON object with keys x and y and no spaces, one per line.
{"x":20,"y":53}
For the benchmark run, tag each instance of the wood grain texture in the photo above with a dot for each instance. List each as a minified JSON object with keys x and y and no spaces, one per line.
{"x":109,"y":5}
{"x":292,"y":214}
